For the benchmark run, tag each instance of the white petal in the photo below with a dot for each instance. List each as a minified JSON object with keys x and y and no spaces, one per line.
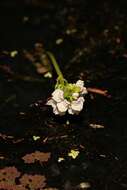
{"x":78,"y":105}
{"x":62,"y":106}
{"x":52,"y":103}
{"x":80,"y":83}
{"x":70,"y":111}
{"x":84,"y":90}
{"x":58,"y":95}
{"x":55,"y":111}
{"x":81,"y":99}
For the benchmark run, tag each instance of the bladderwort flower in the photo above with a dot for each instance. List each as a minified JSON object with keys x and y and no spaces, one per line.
{"x":67,"y":97}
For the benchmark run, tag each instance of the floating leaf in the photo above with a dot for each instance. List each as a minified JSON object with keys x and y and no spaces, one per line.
{"x":60,"y":159}
{"x":8,"y":175}
{"x":5,"y":186}
{"x":13,"y":53}
{"x":35,"y":138}
{"x":59,"y":41}
{"x":96,"y":126}
{"x":36,"y":156}
{"x":73,"y":153}
{"x":71,"y":31}
{"x":48,"y":75}
{"x":33,"y":182}
{"x":84,"y":185}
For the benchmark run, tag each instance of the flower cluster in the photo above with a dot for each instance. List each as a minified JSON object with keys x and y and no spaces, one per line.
{"x":68,"y":97}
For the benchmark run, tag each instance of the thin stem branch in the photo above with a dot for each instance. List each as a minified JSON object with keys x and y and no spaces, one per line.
{"x":99,"y":91}
{"x":55,"y":64}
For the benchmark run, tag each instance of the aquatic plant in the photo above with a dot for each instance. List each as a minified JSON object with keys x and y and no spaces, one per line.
{"x":33,"y":182}
{"x":8,"y":175}
{"x":68,"y":96}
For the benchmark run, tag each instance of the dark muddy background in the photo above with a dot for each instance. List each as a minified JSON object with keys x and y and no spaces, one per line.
{"x":89,"y":40}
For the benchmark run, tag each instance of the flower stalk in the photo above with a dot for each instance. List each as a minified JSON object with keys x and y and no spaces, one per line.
{"x":55,"y":64}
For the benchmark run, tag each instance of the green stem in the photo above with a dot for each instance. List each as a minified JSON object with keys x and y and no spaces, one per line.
{"x":55,"y":64}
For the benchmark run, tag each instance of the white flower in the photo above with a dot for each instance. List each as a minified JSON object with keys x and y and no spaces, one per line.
{"x":56,"y":112}
{"x":76,"y":106}
{"x":80,"y":83}
{"x":52,"y":103}
{"x":59,"y":108}
{"x":58,"y":95}
{"x":68,"y":100}
{"x":62,"y":106}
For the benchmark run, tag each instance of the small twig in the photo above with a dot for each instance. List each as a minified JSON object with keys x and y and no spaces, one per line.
{"x":18,"y":141}
{"x":5,"y":137}
{"x":10,"y":138}
{"x":99,"y":91}
{"x":54,"y":138}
